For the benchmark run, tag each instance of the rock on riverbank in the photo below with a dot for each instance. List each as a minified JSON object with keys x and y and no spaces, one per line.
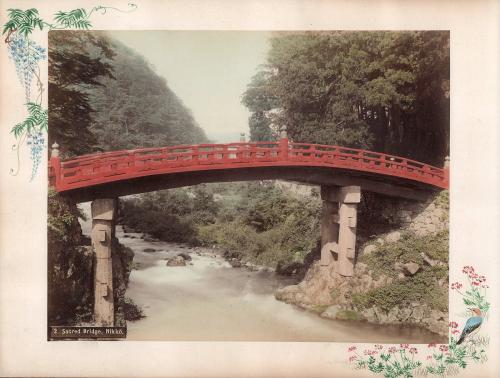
{"x":401,"y":277}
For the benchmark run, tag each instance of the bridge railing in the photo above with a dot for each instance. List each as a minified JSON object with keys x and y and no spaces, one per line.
{"x":109,"y":166}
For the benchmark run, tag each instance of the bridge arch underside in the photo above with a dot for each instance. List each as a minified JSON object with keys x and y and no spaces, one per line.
{"x":382,"y":184}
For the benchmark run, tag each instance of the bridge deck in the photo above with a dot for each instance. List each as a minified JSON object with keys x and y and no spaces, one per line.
{"x":118,"y":166}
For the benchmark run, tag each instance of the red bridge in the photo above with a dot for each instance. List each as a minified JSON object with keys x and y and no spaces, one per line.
{"x":118,"y":173}
{"x":341,"y":172}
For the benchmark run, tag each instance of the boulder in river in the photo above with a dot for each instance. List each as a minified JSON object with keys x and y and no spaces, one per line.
{"x":149,"y":250}
{"x":176,"y":261}
{"x":288,"y":269}
{"x":185,"y":256}
{"x":235,"y":263}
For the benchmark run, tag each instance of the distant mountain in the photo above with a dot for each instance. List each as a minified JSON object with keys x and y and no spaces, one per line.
{"x":136,"y":108}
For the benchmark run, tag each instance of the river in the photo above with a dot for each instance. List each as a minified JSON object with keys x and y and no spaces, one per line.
{"x":208,"y":300}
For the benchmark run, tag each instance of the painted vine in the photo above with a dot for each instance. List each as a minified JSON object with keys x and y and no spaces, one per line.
{"x":26,"y":55}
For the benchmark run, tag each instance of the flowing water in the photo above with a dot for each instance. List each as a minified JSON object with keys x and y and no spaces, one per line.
{"x":208,"y":300}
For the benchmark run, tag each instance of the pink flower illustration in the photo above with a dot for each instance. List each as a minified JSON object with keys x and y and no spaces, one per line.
{"x":392,"y":350}
{"x":431,"y":345}
{"x":413,"y":350}
{"x":352,"y":348}
{"x":456,"y":285}
{"x":404,"y":346}
{"x":353,"y":358}
{"x":453,"y":324}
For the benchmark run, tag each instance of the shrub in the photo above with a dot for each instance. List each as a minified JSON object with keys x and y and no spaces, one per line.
{"x":418,"y":288}
{"x":408,"y":249}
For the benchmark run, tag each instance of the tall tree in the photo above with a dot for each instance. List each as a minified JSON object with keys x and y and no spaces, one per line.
{"x":260,"y":101}
{"x":388,"y":91}
{"x":76,"y":62}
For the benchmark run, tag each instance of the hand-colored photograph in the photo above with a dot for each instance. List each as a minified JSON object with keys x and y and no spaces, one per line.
{"x":249,"y":186}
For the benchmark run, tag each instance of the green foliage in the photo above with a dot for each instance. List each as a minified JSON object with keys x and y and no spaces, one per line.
{"x":252,"y":221}
{"x":319,"y":308}
{"x":136,"y":108}
{"x":23,"y":21}
{"x":62,"y":219}
{"x":76,"y":63}
{"x":259,"y":99}
{"x":347,"y":315}
{"x":131,"y":310}
{"x":421,"y":288}
{"x":388,"y":91}
{"x":104,"y":96}
{"x":171,"y":215}
{"x":266,"y":226}
{"x":408,"y":249}
{"x":76,"y":18}
{"x":442,"y":200}
{"x":36,"y":121}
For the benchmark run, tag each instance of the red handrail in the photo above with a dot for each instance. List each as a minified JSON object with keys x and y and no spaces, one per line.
{"x":106,"y":167}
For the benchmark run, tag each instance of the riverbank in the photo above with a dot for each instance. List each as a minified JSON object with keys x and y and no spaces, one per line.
{"x":210,"y":300}
{"x":401,"y":277}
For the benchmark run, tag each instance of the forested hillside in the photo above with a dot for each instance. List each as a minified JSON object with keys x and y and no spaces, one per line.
{"x":386,"y":91}
{"x":104,"y":96}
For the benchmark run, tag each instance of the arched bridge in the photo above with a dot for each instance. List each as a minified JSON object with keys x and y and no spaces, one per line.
{"x":341,"y":172}
{"x":118,"y":173}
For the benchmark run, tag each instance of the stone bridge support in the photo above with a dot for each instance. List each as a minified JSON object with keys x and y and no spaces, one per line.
{"x":338,"y":227}
{"x":103,"y":232}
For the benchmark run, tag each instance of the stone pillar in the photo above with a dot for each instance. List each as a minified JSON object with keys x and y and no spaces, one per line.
{"x":338,"y":227}
{"x":103,"y":231}
{"x":329,"y":232}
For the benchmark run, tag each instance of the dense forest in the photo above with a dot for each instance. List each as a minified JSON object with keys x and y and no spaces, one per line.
{"x":385,"y":91}
{"x":255,"y":221}
{"x":103,"y":96}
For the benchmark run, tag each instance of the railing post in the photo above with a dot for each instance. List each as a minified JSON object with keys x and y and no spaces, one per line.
{"x":55,"y":163}
{"x":196,"y":155}
{"x":284,"y":143}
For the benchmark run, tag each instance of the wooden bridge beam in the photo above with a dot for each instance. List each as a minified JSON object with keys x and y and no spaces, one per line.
{"x":103,"y":231}
{"x":338,"y":227}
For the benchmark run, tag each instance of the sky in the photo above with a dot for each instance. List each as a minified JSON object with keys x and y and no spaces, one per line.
{"x":208,"y":70}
